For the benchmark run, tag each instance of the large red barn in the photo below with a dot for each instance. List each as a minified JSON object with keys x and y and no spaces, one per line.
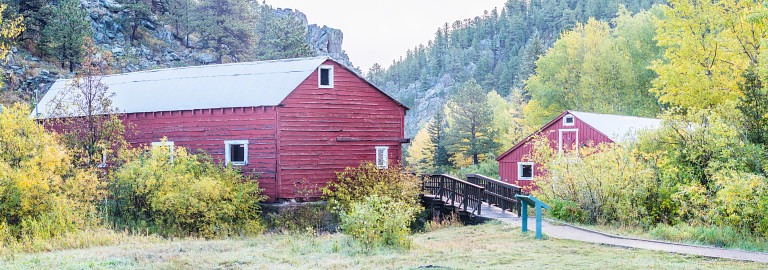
{"x":567,"y":132}
{"x":289,"y":121}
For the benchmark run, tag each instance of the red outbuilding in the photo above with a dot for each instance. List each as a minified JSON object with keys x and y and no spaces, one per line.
{"x":567,"y":132}
{"x":293,"y":122}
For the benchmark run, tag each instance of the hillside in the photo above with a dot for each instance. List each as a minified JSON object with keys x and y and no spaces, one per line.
{"x":142,"y":35}
{"x":498,"y":49}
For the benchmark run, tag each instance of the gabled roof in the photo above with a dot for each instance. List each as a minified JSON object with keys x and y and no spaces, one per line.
{"x":251,"y":84}
{"x":615,"y":127}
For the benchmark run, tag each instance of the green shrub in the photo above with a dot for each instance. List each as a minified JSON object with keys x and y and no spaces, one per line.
{"x":567,"y":211}
{"x":379,"y":221}
{"x":42,"y":195}
{"x":488,"y":167}
{"x":355,"y":184}
{"x":190,"y":195}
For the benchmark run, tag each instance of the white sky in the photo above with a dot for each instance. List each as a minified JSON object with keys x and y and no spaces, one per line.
{"x":382,"y":31}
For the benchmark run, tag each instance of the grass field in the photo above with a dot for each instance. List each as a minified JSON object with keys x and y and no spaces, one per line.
{"x":489,"y":246}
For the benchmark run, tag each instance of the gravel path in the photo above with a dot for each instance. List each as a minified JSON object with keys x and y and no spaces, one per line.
{"x":585,"y":235}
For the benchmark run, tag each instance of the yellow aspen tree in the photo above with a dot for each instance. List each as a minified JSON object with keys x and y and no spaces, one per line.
{"x":709,"y":46}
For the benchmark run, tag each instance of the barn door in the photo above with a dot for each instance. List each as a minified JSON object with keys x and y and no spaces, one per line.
{"x":568,"y":140}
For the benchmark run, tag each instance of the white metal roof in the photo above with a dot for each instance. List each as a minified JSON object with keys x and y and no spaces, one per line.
{"x":251,"y":84}
{"x":618,"y":127}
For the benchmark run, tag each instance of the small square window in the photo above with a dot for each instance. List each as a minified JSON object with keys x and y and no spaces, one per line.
{"x":168,"y":144}
{"x":236,"y":152}
{"x":382,"y":157}
{"x":568,"y":120}
{"x":325,"y":77}
{"x":525,"y":171}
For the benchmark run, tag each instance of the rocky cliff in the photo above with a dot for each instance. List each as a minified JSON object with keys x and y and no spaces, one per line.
{"x":158,"y":47}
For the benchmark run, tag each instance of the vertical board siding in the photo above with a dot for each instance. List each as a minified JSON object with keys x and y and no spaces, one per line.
{"x":312,"y":120}
{"x":207,"y":129}
{"x":313,"y":134}
{"x":508,"y":164}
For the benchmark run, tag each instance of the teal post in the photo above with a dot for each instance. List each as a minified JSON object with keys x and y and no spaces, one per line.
{"x":526,"y":200}
{"x":538,"y":221}
{"x":524,"y":217}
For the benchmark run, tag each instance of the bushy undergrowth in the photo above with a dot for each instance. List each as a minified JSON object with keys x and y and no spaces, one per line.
{"x":190,"y":195}
{"x":355,"y":184}
{"x":602,"y":184}
{"x":696,"y":172}
{"x":379,"y":221}
{"x":42,"y":195}
{"x":376,"y":206}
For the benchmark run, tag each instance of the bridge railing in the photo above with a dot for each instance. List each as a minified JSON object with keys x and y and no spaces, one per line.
{"x":498,"y":193}
{"x":454,"y":191}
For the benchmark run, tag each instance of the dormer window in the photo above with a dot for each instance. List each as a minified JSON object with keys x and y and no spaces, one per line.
{"x":568,"y":120}
{"x":325,"y":77}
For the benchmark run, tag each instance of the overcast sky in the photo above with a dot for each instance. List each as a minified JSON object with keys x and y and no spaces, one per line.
{"x":381,"y":31}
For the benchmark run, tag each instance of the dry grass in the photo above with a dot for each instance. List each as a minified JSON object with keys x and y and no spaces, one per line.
{"x":488,"y":246}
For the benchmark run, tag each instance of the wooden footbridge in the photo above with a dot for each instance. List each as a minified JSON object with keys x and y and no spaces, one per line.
{"x":467,"y":196}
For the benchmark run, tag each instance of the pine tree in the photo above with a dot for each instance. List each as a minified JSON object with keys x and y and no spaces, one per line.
{"x":179,"y":14}
{"x":437,"y":137}
{"x":227,"y":28}
{"x":35,"y":14}
{"x":754,"y":106}
{"x":138,"y":11}
{"x":65,"y":33}
{"x":531,"y":52}
{"x":471,"y":130}
{"x":281,"y":37}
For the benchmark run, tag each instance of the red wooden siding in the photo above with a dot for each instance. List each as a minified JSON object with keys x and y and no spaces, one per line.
{"x":314,"y":132}
{"x":324,"y":130}
{"x":508,"y":162}
{"x":207,"y":129}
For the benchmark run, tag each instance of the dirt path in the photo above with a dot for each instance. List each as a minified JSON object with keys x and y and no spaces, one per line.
{"x":586,"y":235}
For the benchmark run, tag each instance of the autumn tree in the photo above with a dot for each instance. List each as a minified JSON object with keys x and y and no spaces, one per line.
{"x":507,"y":119}
{"x":43,"y":195}
{"x":10,"y":28}
{"x":65,"y":33}
{"x":226,"y":27}
{"x":471,"y":119}
{"x":84,"y":112}
{"x":709,"y":45}
{"x":596,"y":68}
{"x":420,"y":154}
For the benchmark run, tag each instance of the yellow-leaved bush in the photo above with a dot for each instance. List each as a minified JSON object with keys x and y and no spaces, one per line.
{"x":376,"y":206}
{"x":187,"y":195}
{"x":42,"y":195}
{"x":355,"y":184}
{"x":607,"y":183}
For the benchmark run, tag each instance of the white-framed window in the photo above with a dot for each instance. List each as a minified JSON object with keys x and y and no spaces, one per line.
{"x":325,"y":76}
{"x":236,"y":152}
{"x":382,"y":157}
{"x":525,"y":170}
{"x":168,"y":144}
{"x":568,"y":120}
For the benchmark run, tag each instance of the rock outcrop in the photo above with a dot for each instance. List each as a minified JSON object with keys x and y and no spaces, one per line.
{"x":157,"y":48}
